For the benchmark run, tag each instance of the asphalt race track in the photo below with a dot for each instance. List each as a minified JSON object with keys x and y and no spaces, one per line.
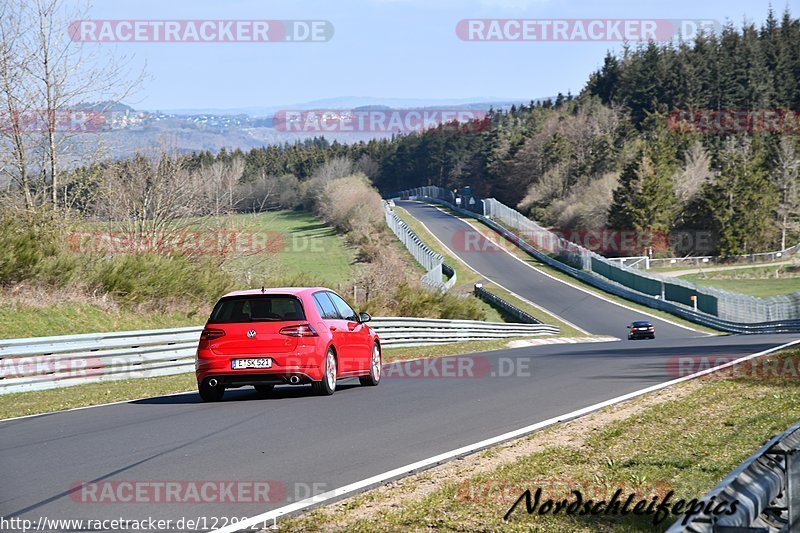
{"x":301,"y":442}
{"x":490,"y":260}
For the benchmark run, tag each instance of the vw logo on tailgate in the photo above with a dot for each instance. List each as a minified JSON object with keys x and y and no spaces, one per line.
{"x":251,"y":333}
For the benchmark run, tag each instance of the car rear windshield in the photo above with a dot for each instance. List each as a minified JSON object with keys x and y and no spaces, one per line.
{"x":641,"y":323}
{"x":268,"y":308}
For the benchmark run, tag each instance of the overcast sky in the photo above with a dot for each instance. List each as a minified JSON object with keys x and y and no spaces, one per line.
{"x":382,"y":48}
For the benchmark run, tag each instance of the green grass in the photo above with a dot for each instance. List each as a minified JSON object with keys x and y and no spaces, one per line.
{"x":686,"y":442}
{"x":709,"y":266}
{"x":71,"y":318}
{"x":762,"y":282}
{"x":28,"y":403}
{"x":310,"y":248}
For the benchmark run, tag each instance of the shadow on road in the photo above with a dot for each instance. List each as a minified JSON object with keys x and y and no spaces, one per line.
{"x":244,"y":394}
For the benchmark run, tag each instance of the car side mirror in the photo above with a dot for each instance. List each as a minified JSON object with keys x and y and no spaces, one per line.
{"x":364,"y":317}
{"x":629,"y":327}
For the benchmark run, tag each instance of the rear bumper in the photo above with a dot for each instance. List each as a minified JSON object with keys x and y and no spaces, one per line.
{"x":284,"y":367}
{"x":234,"y":380}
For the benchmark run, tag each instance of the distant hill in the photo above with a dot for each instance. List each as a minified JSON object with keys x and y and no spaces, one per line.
{"x":128,"y":130}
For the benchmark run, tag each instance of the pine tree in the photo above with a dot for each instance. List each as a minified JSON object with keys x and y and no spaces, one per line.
{"x":740,"y":202}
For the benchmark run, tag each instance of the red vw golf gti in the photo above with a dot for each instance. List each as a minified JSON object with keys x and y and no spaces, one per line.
{"x":291,"y":336}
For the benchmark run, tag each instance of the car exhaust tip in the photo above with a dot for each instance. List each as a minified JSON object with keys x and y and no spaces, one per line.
{"x":294,"y":380}
{"x":212,"y":382}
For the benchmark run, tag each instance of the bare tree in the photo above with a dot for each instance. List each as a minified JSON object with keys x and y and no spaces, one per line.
{"x":785,"y":178}
{"x":46,"y":76}
{"x":219,"y":182}
{"x":150,"y":197}
{"x":14,"y":99}
{"x":695,"y":173}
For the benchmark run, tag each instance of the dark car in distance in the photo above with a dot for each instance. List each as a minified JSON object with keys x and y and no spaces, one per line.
{"x":641,"y":329}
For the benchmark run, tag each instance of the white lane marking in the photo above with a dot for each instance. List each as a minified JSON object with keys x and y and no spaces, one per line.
{"x":521,"y":343}
{"x":537,"y":306}
{"x":359,"y":486}
{"x":592,"y":293}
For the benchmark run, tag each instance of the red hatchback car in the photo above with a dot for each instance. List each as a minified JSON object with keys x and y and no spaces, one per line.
{"x":292,"y":336}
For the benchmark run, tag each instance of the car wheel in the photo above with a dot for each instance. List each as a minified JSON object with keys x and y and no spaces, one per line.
{"x":327,"y":386}
{"x":209,"y":393}
{"x":264,"y":390}
{"x":375,"y":367}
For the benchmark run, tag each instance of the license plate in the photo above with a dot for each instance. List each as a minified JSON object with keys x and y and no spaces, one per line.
{"x":642,"y":329}
{"x":261,"y":362}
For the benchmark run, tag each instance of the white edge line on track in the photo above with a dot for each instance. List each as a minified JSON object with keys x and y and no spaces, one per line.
{"x":380,"y":479}
{"x":443,"y":245}
{"x":575,"y":286}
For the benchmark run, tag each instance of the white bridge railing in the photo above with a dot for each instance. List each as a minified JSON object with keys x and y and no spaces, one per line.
{"x":41,"y":363}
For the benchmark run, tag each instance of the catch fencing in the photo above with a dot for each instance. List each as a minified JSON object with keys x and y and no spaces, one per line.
{"x":715,"y":308}
{"x":432,"y":262}
{"x":41,"y":363}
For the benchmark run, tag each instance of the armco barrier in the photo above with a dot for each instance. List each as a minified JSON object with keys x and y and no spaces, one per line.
{"x":504,"y":306}
{"x":41,"y":363}
{"x":432,"y":262}
{"x":767,"y":487}
{"x":774,"y":326}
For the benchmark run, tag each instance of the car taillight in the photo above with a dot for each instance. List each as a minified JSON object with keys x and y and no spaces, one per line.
{"x":303,"y":330}
{"x":650,"y":328}
{"x":209,"y":334}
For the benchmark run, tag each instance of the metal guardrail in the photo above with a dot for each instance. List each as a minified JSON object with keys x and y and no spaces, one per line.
{"x":767,"y":488}
{"x":430,"y":260}
{"x":41,"y":363}
{"x":775,"y":326}
{"x":504,"y":306}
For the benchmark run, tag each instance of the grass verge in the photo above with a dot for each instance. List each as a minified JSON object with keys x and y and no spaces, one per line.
{"x":684,"y":439}
{"x":71,"y":318}
{"x":761,"y":282}
{"x":29,"y":403}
